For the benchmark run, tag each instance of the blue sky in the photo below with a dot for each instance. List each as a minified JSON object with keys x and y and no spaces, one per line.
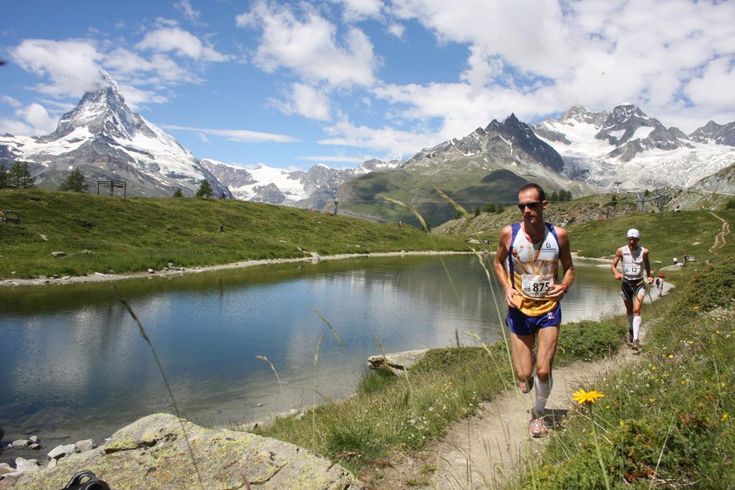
{"x":291,"y":84}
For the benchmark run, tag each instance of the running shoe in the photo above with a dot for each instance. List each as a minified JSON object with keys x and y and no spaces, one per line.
{"x":537,"y":427}
{"x":636,"y":347}
{"x":526,"y":386}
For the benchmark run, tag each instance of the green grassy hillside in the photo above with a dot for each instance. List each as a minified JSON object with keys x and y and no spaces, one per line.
{"x":471,"y":186}
{"x":104,"y":234}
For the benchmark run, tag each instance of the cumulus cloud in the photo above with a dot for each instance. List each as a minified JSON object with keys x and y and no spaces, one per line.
{"x":539,"y":57}
{"x":181,"y":42}
{"x":306,"y":101}
{"x":33,"y":120}
{"x":307,"y":44}
{"x":72,"y":66}
{"x":239,"y":135}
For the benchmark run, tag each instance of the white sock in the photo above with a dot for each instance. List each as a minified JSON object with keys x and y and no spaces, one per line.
{"x":543,"y":388}
{"x":636,"y":326}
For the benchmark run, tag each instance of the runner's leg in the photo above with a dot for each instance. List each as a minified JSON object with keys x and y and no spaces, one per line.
{"x":547,"y":340}
{"x":637,"y":314}
{"x":521,"y":349}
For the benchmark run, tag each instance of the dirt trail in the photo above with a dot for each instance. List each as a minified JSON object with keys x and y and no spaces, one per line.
{"x":488,"y":449}
{"x":720,"y":237}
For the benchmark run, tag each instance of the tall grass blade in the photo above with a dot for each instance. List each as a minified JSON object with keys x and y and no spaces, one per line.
{"x":457,"y":207}
{"x":175,"y":405}
{"x":331,"y":328}
{"x":421,"y":219}
{"x":273,"y":368}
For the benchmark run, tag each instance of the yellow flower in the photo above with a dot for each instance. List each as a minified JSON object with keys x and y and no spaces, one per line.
{"x":724,"y":417}
{"x":587,"y":397}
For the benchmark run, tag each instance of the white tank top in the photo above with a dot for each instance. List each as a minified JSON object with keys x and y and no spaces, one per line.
{"x":633,"y":265}
{"x":532,"y":269}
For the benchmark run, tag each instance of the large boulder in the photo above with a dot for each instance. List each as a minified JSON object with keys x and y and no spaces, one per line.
{"x":153,"y":453}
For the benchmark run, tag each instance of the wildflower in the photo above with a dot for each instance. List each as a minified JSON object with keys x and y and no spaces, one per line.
{"x":587,"y":397}
{"x":671,"y":356}
{"x":724,"y":417}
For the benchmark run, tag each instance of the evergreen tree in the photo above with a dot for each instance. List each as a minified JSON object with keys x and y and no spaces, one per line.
{"x":20,"y":176}
{"x":178,"y":193}
{"x":205,"y":189}
{"x":554,"y":197}
{"x":3,"y":176}
{"x":75,"y":182}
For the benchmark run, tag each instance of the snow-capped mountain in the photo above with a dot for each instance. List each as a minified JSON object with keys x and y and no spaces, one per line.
{"x":628,"y":149}
{"x":715,"y":133}
{"x":107,"y":141}
{"x":314,"y":188}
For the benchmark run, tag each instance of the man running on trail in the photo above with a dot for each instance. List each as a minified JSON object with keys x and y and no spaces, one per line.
{"x":526,"y":265}
{"x":635,"y":262}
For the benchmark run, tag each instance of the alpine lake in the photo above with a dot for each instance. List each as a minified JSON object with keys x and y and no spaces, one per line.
{"x":240,"y":345}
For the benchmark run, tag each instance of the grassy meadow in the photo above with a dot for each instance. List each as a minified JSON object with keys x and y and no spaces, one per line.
{"x":664,"y":421}
{"x":109,"y":234}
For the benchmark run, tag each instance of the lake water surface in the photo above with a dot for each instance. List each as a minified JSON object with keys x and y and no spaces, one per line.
{"x":74,"y":365}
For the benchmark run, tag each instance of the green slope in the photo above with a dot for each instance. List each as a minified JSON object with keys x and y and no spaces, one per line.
{"x":103,"y":234}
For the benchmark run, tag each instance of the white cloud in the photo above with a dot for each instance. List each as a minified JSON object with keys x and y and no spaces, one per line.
{"x":12,"y":102}
{"x":38,"y":118}
{"x":239,"y":135}
{"x":181,"y":42}
{"x":355,"y":10}
{"x":16,"y":128}
{"x":308,"y":46}
{"x":71,"y":65}
{"x":335,"y":158}
{"x":397,"y":29}
{"x":306,"y":101}
{"x":34,"y":120}
{"x":537,"y":57}
{"x":135,"y":97}
{"x":715,"y":86}
{"x":184,"y":6}
{"x":394,"y":143}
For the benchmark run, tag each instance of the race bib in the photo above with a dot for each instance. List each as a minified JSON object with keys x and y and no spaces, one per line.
{"x":536,"y":286}
{"x":631,"y":269}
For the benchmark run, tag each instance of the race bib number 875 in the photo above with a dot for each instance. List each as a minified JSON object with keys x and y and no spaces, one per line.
{"x":536,"y":286}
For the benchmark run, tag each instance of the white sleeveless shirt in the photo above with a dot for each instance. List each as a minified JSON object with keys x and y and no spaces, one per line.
{"x":633,"y":266}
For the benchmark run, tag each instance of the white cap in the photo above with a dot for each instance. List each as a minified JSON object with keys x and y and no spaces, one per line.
{"x":633,"y":233}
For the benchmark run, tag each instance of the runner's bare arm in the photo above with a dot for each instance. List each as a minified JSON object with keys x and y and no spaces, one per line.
{"x":647,"y":264}
{"x":557,"y":291}
{"x":614,"y":266}
{"x":499,"y":265}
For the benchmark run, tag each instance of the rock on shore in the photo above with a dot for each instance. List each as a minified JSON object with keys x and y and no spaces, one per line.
{"x":152,"y":453}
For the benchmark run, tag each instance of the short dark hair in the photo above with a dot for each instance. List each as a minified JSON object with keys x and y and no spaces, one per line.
{"x":532,"y":185}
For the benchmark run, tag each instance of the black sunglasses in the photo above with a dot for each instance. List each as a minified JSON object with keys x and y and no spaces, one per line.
{"x":533,"y":205}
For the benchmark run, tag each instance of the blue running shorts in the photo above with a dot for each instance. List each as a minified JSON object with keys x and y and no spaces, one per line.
{"x":520,"y":324}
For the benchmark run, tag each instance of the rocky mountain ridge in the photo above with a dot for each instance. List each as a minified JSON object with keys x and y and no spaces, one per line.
{"x":627,"y":149}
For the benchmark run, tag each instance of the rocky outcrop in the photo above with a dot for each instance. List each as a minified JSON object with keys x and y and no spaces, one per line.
{"x":397,"y":362}
{"x":153,"y":453}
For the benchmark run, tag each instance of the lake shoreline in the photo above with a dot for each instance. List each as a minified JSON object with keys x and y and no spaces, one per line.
{"x":179,"y":271}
